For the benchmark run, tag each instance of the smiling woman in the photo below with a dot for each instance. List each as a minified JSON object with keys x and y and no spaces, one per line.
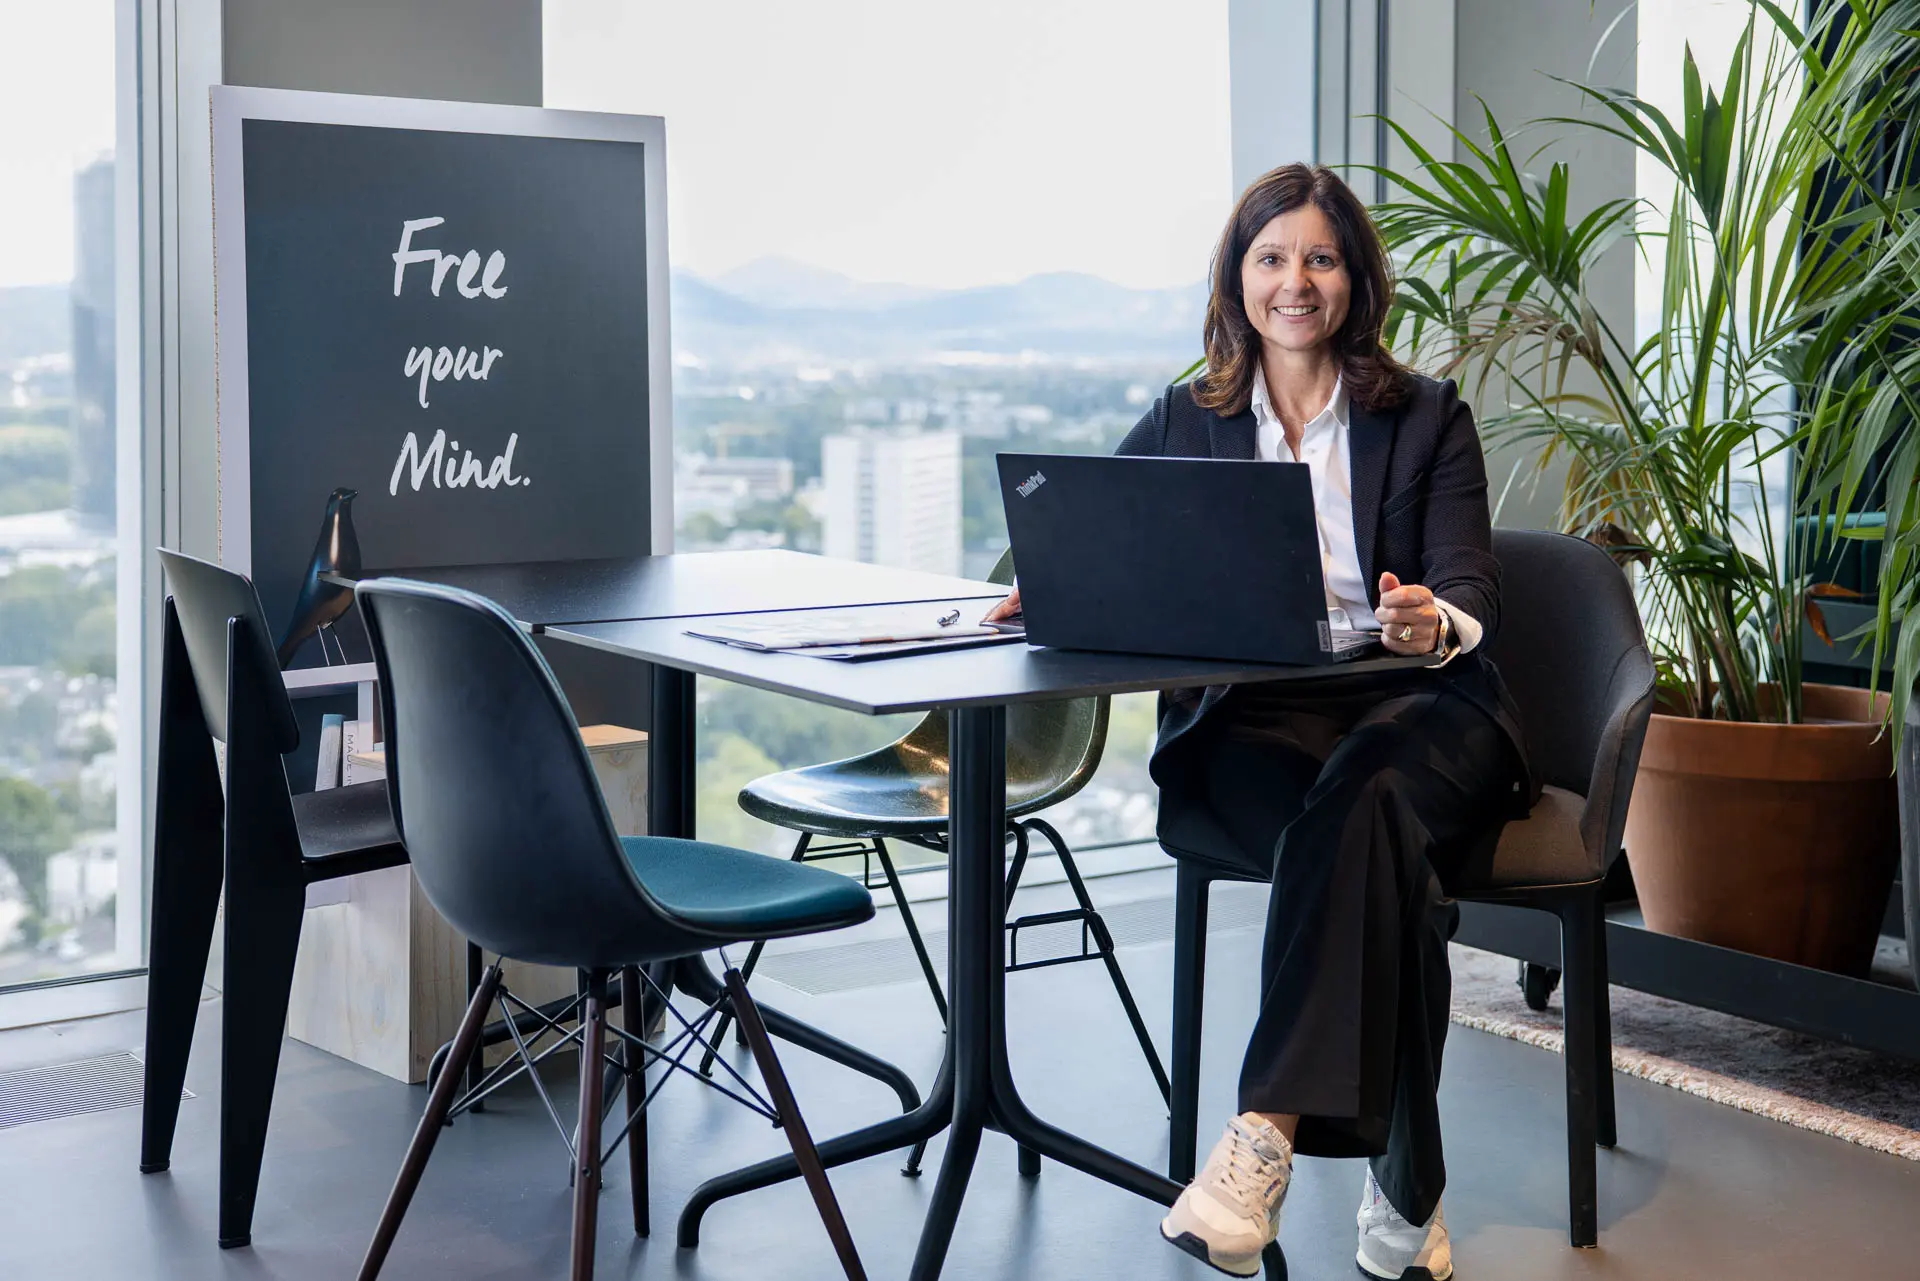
{"x":1300,"y":276}
{"x":1357,"y":794}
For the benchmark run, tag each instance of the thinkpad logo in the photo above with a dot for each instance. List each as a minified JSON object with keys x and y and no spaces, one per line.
{"x":1025,"y":488}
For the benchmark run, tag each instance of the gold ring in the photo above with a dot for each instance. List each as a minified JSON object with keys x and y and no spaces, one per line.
{"x":1406,"y":632}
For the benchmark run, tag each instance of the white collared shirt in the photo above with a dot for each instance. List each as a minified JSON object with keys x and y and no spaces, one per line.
{"x":1325,"y":449}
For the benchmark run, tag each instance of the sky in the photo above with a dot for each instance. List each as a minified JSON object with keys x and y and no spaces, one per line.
{"x":56,"y":115}
{"x":1667,"y":29}
{"x":891,"y":140}
{"x":943,"y":145}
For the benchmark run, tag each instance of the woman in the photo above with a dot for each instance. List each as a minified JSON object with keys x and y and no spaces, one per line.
{"x":1357,"y":793}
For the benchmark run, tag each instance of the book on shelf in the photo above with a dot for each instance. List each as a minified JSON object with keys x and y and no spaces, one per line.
{"x":326,"y":774}
{"x":326,"y":770}
{"x":360,"y":758}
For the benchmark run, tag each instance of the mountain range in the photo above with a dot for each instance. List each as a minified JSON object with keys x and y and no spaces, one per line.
{"x":779,"y":311}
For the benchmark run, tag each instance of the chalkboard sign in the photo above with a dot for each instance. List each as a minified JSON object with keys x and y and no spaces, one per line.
{"x":456,"y":311}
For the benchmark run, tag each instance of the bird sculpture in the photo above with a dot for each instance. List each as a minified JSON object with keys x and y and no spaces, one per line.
{"x":321,"y":603}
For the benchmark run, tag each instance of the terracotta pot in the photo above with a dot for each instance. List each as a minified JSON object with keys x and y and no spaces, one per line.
{"x":1778,"y":840}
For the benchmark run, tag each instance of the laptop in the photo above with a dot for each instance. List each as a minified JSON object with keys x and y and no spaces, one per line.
{"x":1191,"y":557}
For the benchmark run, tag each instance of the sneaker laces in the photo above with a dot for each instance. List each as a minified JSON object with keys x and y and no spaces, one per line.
{"x":1254,"y":1169}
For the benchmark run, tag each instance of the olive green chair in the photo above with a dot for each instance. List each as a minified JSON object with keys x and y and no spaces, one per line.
{"x":899,"y":792}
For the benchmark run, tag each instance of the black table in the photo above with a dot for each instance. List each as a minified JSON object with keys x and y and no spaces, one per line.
{"x":974,"y":1089}
{"x":641,"y":609}
{"x":545,"y":594}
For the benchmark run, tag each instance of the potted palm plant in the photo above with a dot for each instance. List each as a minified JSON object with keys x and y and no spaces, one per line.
{"x":1862,"y":450}
{"x":1764,"y":816}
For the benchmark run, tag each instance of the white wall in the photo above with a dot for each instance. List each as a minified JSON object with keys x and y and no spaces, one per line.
{"x":457,"y":50}
{"x":1507,"y":53}
{"x":1270,"y":65}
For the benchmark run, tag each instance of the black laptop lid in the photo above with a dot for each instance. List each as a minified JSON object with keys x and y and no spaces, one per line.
{"x":1203,"y":558}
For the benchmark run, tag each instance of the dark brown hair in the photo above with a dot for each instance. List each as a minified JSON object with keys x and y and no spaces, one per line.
{"x":1372,"y":377}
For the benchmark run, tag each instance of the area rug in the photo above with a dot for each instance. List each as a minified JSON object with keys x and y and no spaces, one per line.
{"x":1858,"y":1095}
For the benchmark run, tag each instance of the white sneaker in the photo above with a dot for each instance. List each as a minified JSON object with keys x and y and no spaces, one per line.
{"x":1392,"y":1248}
{"x":1228,"y":1215}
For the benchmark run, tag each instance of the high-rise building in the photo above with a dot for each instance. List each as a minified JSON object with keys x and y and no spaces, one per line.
{"x":893,"y":498}
{"x":93,"y":364}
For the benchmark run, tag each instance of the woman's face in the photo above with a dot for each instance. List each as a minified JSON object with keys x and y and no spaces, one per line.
{"x":1295,"y":281}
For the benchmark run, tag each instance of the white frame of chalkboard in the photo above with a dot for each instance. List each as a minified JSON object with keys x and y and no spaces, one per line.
{"x":233,"y":104}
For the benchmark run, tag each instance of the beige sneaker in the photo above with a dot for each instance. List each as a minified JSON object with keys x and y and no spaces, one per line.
{"x":1228,"y":1215}
{"x":1396,"y":1250}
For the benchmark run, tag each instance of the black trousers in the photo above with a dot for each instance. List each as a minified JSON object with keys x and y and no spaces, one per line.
{"x":1354,"y":984}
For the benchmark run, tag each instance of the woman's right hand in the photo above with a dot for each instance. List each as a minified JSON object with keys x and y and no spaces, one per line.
{"x":1006,"y":609}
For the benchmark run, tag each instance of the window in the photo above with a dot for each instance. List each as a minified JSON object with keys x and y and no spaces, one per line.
{"x":69,"y":861}
{"x":1709,"y":31}
{"x":906,"y":238}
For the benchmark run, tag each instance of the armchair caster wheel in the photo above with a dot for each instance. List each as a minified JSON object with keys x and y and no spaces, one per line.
{"x":1537,"y":983}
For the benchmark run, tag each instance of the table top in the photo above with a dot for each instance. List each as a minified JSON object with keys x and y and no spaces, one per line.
{"x":992,"y":674}
{"x":689,"y":584}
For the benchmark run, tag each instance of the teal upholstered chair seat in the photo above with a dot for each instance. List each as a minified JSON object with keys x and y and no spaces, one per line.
{"x":730,"y":891}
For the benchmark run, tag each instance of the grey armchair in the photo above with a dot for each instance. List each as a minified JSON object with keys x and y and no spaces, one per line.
{"x":1572,"y":652}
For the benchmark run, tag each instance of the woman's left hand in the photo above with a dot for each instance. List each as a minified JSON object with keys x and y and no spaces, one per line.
{"x":1409,"y":619}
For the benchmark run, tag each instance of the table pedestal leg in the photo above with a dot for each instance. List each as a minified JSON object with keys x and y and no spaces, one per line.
{"x":975,"y":1090}
{"x":978,"y":985}
{"x":977,"y":753}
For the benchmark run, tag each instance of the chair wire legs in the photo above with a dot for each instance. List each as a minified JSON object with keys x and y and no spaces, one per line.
{"x":465,"y":1043}
{"x":633,"y":1009}
{"x":586,"y":1181}
{"x":634,"y":1055}
{"x":1097,"y":941}
{"x":798,"y":1136}
{"x":919,"y":944}
{"x":799,"y":855}
{"x":1103,"y":941}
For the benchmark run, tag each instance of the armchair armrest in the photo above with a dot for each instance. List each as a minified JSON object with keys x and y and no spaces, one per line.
{"x":1616,"y":757}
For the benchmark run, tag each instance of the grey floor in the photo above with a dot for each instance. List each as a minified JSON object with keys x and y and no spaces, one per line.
{"x":1695,"y":1190}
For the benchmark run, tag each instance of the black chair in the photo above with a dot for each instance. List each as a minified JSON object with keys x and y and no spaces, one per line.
{"x":1571,"y":650}
{"x":219,"y":680}
{"x":511,"y":841}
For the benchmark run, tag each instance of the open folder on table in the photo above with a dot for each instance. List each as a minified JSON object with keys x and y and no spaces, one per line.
{"x":867,"y":632}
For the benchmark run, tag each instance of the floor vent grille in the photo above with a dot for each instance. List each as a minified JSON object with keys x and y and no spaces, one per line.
{"x":846,"y":967}
{"x":69,"y":1089}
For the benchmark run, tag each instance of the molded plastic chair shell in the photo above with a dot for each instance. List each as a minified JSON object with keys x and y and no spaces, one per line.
{"x":1053,"y":749}
{"x":248,"y":837}
{"x":206,"y":596}
{"x":508,"y":832}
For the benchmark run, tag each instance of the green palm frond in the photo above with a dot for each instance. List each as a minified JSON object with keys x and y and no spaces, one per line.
{"x":1789,"y":282}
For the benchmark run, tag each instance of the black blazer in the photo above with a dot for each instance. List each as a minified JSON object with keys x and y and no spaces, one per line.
{"x":1419,"y":510}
